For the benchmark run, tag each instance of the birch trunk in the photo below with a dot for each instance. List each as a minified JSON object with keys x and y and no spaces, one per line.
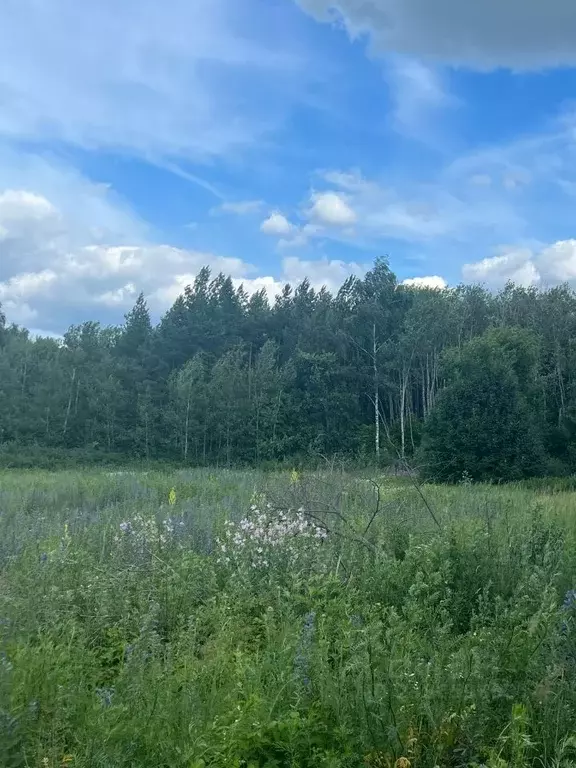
{"x":186,"y":427}
{"x":67,"y":417}
{"x":376,"y":395}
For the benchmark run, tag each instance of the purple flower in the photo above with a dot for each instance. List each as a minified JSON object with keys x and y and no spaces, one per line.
{"x":128,"y":651}
{"x":105,"y":695}
{"x":569,"y":600}
{"x":301,"y":660}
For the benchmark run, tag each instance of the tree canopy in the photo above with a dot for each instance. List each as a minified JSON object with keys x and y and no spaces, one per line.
{"x":455,"y":381}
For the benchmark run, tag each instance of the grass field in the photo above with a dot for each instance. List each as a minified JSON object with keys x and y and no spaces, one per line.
{"x":197,"y":618}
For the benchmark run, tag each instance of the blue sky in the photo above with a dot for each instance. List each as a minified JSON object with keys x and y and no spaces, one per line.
{"x":277,"y":139}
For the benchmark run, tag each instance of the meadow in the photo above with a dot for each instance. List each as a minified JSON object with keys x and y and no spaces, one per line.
{"x":201,"y":618}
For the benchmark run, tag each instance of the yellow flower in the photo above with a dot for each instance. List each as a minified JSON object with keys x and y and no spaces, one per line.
{"x":402,"y":762}
{"x":172,"y":497}
{"x":67,"y":759}
{"x":294,"y":477}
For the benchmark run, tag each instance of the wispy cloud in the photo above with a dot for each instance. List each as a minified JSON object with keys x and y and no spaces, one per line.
{"x":519,"y":193}
{"x":178,"y":79}
{"x":239,"y":207}
{"x":420,"y":97}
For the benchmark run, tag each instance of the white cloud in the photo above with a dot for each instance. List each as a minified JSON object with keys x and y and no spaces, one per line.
{"x":418,"y":95}
{"x":557,"y":262}
{"x":301,"y":236}
{"x":276,"y":224}
{"x":70,"y":251}
{"x":18,"y":311}
{"x":515,"y":180}
{"x":514,"y":266}
{"x":17,"y":205}
{"x":550,"y":265}
{"x":240,"y":207}
{"x":520,"y":193}
{"x":482,"y":35}
{"x":251,"y":285}
{"x":331,"y":209}
{"x":321,"y":272}
{"x":413,"y":212}
{"x":432,"y":281}
{"x":181,"y":78}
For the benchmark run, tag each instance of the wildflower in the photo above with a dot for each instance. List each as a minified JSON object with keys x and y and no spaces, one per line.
{"x":126,"y":527}
{"x":43,"y":557}
{"x":309,"y":622}
{"x":128,"y":651}
{"x":172,"y":527}
{"x":294,"y":477}
{"x":301,"y":660}
{"x":172,"y":497}
{"x":569,"y":600}
{"x":253,"y":540}
{"x":402,"y":762}
{"x":105,"y":695}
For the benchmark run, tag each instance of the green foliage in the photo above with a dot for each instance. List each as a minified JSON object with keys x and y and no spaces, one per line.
{"x":127,"y":638}
{"x":486,"y":422}
{"x":229,"y":380}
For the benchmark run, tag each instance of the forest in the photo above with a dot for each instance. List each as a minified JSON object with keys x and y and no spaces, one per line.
{"x":457,"y":383}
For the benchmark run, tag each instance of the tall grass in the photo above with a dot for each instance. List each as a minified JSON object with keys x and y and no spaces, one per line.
{"x":143,"y":627}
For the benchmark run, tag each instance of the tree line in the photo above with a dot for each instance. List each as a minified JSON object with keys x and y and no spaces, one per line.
{"x":459,"y":382}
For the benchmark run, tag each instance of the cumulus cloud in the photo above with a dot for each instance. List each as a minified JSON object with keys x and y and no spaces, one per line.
{"x":59,"y":265}
{"x":557,"y":262}
{"x":321,"y":272}
{"x":514,"y":266}
{"x":432,"y":281}
{"x":486,"y":35}
{"x":276,"y":224}
{"x":551,"y":265}
{"x":80,"y":281}
{"x":331,"y":209}
{"x":413,"y":212}
{"x":71,"y":250}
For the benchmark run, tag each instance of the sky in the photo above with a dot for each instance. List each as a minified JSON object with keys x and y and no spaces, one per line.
{"x":280,"y":139}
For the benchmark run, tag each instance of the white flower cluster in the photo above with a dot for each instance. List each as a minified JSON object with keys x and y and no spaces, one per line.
{"x":146,"y":532}
{"x":263,"y":536}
